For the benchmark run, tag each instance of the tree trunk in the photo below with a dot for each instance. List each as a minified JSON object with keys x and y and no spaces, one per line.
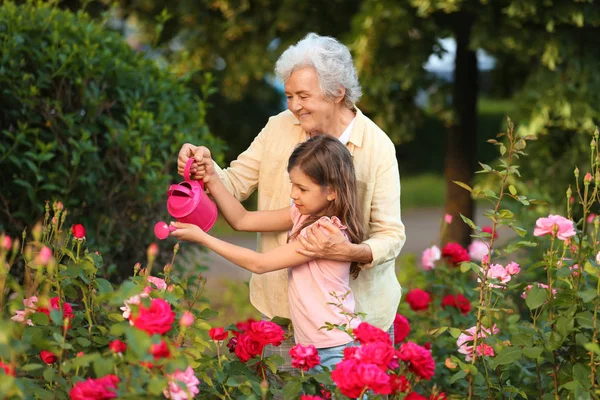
{"x":460,"y":157}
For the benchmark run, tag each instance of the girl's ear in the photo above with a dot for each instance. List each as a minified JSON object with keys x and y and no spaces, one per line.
{"x":331,"y":195}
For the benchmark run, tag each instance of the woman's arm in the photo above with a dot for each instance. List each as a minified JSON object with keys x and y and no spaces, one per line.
{"x":241,"y":219}
{"x":259,"y":263}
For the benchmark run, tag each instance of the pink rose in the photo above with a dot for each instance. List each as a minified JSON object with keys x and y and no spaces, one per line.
{"x":513,"y":268}
{"x":429,"y":257}
{"x":189,"y":380}
{"x":95,"y":389}
{"x":187,"y":319}
{"x":304,"y":357}
{"x":557,"y":225}
{"x":158,"y":282}
{"x":377,"y":353}
{"x":478,"y":249}
{"x":158,"y":318}
{"x":374,"y":378}
{"x":6,"y":242}
{"x":448,"y":219}
{"x":132,"y":300}
{"x":45,"y":255}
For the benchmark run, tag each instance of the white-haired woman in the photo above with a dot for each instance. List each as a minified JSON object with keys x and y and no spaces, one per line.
{"x":322,"y":88}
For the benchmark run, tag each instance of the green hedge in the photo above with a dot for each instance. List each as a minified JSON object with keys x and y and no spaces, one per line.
{"x":86,"y":120}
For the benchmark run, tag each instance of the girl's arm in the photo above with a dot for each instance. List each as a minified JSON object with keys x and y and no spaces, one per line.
{"x":241,"y":219}
{"x":234,"y":212}
{"x":259,"y":263}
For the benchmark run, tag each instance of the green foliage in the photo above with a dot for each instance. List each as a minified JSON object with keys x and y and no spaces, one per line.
{"x":86,"y":120}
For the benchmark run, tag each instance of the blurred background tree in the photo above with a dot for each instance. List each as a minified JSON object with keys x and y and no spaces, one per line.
{"x":543,"y":57}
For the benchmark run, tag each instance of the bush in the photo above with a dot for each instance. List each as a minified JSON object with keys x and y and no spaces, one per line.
{"x":71,"y":334}
{"x":86,"y":120}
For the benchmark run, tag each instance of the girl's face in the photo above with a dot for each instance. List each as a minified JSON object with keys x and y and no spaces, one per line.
{"x":306,"y":101}
{"x":309,"y":197}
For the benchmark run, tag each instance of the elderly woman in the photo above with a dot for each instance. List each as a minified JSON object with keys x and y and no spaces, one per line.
{"x":322,"y":88}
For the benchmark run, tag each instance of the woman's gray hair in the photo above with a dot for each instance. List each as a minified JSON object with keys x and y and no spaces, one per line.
{"x":330,"y":59}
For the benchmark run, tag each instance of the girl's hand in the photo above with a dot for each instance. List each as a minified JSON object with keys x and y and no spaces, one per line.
{"x":188,"y":232}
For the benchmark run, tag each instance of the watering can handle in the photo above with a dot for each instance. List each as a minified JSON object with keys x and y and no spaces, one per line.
{"x":180,"y":188}
{"x":186,"y":172}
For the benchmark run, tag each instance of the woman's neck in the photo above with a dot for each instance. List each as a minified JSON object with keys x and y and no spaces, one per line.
{"x":339,"y":122}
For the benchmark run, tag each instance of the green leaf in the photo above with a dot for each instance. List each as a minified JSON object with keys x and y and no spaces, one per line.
{"x":463,"y":185}
{"x":40,"y":319}
{"x":533,"y":352}
{"x":512,"y":190}
{"x":468,"y":222}
{"x":564,"y":326}
{"x":103,"y":366}
{"x":581,"y":373}
{"x":508,"y":355}
{"x":536,"y":296}
{"x":31,"y":367}
{"x":84,"y":342}
{"x":138,"y":341}
{"x":593,"y":347}
{"x":49,"y":374}
{"x":459,"y":375}
{"x":455,"y":332}
{"x":292,"y":389}
{"x":585,"y":319}
{"x":587,"y":295}
{"x":104,"y":286}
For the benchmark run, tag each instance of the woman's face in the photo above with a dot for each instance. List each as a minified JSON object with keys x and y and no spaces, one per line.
{"x":307,"y":102}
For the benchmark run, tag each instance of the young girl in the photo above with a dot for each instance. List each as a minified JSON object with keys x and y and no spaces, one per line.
{"x":323,"y":187}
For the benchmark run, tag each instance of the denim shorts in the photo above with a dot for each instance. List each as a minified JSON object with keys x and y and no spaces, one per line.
{"x":330,"y":356}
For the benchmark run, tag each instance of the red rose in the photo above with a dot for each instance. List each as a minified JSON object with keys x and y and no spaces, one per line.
{"x":55,"y":305}
{"x":419,"y":359}
{"x":399,"y":384}
{"x":266,"y":332}
{"x":418,"y":299}
{"x":160,"y":350}
{"x":488,"y":229}
{"x":218,"y":334}
{"x":304,"y":357}
{"x":78,"y":231}
{"x":243,"y":326}
{"x":349,"y":352}
{"x":310,"y":397}
{"x":95,"y":389}
{"x":8,"y":369}
{"x":374,"y":378}
{"x":456,"y":253}
{"x":116,"y":346}
{"x":415,"y":396}
{"x":346,"y":378}
{"x":449,"y":301}
{"x":463,"y":304}
{"x":232,"y":343}
{"x":367,"y":333}
{"x":378,"y":353}
{"x":158,"y":318}
{"x":401,"y":328}
{"x":247,"y":347}
{"x":48,"y":357}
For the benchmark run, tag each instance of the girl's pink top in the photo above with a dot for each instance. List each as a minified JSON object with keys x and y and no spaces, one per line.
{"x":309,"y":290}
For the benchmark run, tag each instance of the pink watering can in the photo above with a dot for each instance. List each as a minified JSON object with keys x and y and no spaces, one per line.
{"x":188,"y":203}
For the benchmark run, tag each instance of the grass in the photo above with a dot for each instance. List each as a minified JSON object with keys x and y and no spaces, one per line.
{"x":425,"y":190}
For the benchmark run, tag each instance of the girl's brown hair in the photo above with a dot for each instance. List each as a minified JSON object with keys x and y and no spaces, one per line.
{"x":327,"y":162}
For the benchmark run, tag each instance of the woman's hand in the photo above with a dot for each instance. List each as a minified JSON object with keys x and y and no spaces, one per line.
{"x":188,"y":232}
{"x":330,"y":243}
{"x":202,"y":168}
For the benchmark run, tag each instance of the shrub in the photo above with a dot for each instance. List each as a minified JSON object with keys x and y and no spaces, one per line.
{"x":86,"y":120}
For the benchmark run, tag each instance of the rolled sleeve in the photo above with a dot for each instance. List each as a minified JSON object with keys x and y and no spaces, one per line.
{"x":387,"y":234}
{"x":241,"y":178}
